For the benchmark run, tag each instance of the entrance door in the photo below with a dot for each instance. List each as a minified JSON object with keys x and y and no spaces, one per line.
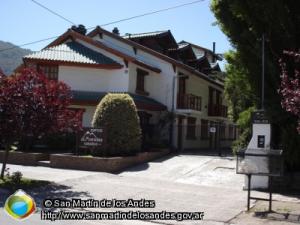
{"x":179,"y":133}
{"x":145,"y":127}
{"x":214,"y":137}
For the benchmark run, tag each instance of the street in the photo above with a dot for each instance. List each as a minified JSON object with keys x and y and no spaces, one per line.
{"x":189,"y":183}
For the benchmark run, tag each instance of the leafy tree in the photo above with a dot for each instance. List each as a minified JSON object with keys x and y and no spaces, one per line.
{"x":238,"y":91}
{"x":117,"y":112}
{"x":244,"y":22}
{"x":240,"y":98}
{"x":290,"y":85}
{"x":32,"y":105}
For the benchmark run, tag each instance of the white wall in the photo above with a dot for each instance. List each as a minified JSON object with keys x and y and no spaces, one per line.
{"x":91,"y":79}
{"x":159,"y":85}
{"x":200,"y":87}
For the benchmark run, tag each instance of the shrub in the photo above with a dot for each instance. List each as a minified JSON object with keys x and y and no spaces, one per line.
{"x":242,"y":141}
{"x":118,"y":114}
{"x":244,"y":120}
{"x":16,"y":178}
{"x":33,"y":106}
{"x":244,"y":123}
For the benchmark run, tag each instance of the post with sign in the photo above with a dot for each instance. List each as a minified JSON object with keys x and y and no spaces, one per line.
{"x":212,"y":131}
{"x":259,"y":143}
{"x":91,"y":139}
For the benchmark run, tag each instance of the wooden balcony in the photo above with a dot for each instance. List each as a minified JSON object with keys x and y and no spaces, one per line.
{"x":188,"y":101}
{"x":217,"y":110}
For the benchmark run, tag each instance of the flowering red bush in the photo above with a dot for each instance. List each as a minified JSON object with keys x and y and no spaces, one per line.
{"x":32,"y":105}
{"x":290,"y":84}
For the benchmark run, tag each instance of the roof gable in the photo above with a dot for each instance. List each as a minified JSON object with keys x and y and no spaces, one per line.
{"x":70,"y":34}
{"x":203,"y":49}
{"x":184,"y":53}
{"x":159,"y":40}
{"x":174,"y":62}
{"x":73,"y":52}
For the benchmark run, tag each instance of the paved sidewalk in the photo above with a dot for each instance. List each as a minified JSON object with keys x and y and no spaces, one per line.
{"x":283,"y":212}
{"x":178,"y":183}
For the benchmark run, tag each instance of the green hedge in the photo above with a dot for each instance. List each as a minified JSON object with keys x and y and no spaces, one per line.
{"x":244,"y":123}
{"x":118,"y":114}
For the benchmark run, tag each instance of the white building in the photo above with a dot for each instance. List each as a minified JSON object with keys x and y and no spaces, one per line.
{"x":161,"y":75}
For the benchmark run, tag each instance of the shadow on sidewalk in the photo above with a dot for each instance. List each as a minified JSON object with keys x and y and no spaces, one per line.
{"x":50,"y":191}
{"x":278,"y":216}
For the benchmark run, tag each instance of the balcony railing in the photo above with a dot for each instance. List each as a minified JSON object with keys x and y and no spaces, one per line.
{"x":217,"y":110}
{"x":189,"y":101}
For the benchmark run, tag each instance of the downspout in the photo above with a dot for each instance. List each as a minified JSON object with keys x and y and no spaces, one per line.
{"x":172,"y":115}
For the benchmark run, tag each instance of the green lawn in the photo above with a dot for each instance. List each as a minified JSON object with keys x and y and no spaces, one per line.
{"x":24,"y":183}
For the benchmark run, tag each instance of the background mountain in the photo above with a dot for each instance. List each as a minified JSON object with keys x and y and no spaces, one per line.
{"x":10,"y":59}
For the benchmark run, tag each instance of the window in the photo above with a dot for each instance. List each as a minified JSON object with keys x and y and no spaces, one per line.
{"x":51,"y":71}
{"x":140,"y":81}
{"x":204,"y":129}
{"x":191,"y":128}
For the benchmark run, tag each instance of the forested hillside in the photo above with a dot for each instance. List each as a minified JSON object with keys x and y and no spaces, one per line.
{"x":10,"y":59}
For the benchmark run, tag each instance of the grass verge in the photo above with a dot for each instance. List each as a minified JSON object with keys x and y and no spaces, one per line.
{"x":24,"y":184}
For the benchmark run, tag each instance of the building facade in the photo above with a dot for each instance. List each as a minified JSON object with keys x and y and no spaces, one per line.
{"x":163,"y":77}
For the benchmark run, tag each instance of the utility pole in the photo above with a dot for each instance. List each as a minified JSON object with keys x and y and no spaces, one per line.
{"x":263,"y":73}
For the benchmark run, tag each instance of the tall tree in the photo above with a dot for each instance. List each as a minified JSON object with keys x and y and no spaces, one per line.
{"x":244,"y":22}
{"x":32,"y":105}
{"x":238,"y":91}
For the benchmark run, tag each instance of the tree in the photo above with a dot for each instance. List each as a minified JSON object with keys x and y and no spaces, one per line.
{"x":240,"y":98}
{"x":118,"y":114}
{"x":290,"y":85}
{"x":238,"y":92}
{"x":32,"y":105}
{"x":244,"y":22}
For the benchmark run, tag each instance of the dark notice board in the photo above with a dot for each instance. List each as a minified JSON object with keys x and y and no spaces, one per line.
{"x":259,"y":117}
{"x":91,"y":137}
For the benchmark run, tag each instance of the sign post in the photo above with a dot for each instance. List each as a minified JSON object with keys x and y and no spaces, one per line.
{"x":212,"y":129}
{"x":91,"y":138}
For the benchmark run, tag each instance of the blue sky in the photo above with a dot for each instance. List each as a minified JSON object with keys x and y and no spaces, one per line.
{"x":22,"y":21}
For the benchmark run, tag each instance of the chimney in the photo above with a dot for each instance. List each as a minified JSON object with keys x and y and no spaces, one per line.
{"x":116,"y":31}
{"x":79,"y":29}
{"x":214,"y":51}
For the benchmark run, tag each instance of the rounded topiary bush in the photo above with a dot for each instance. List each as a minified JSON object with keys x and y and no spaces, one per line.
{"x":118,"y":114}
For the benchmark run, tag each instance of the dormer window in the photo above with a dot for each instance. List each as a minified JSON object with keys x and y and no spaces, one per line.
{"x":140,"y":82}
{"x":50,"y":71}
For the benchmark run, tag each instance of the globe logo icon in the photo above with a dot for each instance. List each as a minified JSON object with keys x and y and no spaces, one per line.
{"x":19,"y":205}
